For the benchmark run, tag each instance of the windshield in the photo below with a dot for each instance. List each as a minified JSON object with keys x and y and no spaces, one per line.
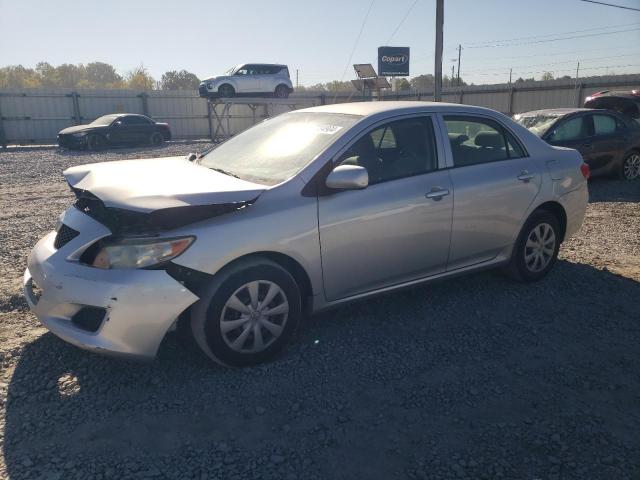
{"x":104,"y":120}
{"x":538,"y":124}
{"x":278,"y":148}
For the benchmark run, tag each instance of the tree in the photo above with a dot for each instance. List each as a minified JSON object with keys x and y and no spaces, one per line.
{"x":422,"y":82}
{"x":181,"y":80}
{"x":547,"y":76}
{"x":338,"y":86}
{"x":17,"y":76}
{"x":101,"y":75}
{"x":139,"y":79}
{"x":522,"y":80}
{"x":403,"y":84}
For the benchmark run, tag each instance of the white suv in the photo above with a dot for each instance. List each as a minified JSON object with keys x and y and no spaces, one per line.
{"x":249,"y":79}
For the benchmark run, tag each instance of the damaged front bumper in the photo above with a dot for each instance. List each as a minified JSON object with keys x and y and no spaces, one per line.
{"x":121,"y":312}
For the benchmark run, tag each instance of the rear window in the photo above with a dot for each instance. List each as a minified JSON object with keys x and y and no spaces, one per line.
{"x":537,"y":124}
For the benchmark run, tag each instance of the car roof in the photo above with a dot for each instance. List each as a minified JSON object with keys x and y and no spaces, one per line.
{"x":371,"y":108}
{"x":554,"y":112}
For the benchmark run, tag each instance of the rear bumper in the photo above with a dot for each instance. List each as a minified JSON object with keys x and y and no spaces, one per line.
{"x":575,"y":206}
{"x":139,"y":305}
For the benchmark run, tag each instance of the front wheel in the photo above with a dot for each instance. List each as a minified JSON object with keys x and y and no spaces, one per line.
{"x":95,"y":142}
{"x":248,"y":314}
{"x":226,"y":91}
{"x":630,"y":167}
{"x":536,"y":249}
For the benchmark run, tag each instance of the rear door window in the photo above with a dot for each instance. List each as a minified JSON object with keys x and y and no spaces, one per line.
{"x":477,"y":140}
{"x":604,"y":125}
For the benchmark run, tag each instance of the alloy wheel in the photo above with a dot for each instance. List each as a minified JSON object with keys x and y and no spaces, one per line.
{"x":540,"y":247}
{"x":631,"y":167}
{"x":254,"y":316}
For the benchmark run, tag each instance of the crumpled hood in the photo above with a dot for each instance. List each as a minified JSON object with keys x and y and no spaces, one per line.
{"x":78,"y":128}
{"x":147,"y":185}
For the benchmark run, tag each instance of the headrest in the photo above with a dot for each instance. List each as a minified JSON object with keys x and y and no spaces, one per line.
{"x":457,"y":138}
{"x":489,"y":139}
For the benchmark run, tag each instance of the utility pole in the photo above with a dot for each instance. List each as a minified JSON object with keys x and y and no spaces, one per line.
{"x":437,"y":70}
{"x":576,"y":99}
{"x":452,"y":74}
{"x":459,"y":52}
{"x":510,"y":72}
{"x":296,"y":78}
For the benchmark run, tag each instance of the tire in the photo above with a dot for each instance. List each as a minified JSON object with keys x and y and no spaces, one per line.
{"x":281,"y":91}
{"x":226,"y":91}
{"x":156,"y":139}
{"x":526,"y":265}
{"x":95,"y":142}
{"x":227,"y":327}
{"x":630,"y":168}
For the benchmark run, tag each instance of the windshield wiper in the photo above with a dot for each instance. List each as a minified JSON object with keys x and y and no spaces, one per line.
{"x":220,"y":170}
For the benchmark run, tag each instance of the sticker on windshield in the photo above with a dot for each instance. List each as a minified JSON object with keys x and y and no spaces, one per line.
{"x":328,"y":129}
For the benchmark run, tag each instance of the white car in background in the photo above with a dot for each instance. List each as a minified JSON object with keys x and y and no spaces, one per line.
{"x":249,"y":79}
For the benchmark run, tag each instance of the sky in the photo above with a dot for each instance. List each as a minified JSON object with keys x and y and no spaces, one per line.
{"x":317,"y":38}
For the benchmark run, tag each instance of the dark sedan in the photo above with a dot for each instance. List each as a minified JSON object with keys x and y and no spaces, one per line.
{"x":115,"y":129}
{"x":609,"y":142}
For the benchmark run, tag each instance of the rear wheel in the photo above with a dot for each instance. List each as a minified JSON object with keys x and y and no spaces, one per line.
{"x":156,"y":139}
{"x":96,"y":141}
{"x":631,"y":167}
{"x":282,"y":91}
{"x":226,"y":91}
{"x":248,"y":314}
{"x":536,"y":249}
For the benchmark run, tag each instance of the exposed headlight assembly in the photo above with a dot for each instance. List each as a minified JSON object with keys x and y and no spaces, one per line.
{"x":139,"y":252}
{"x":79,"y":134}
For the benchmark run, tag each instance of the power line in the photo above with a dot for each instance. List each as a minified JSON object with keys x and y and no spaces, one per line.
{"x":554,"y":34}
{"x":612,"y":5}
{"x":555,"y":39}
{"x":554,"y":54}
{"x":355,"y":44}
{"x":402,"y":21}
{"x":555,"y":70}
{"x":552,"y":63}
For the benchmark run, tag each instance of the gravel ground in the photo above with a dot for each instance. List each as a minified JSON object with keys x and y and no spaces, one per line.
{"x":475,"y":377}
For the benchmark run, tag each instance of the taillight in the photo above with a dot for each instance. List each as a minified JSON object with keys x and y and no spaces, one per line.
{"x":586,"y":171}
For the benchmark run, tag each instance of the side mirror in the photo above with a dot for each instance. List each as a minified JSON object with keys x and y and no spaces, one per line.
{"x":192,"y":156}
{"x":117,"y":124}
{"x":348,"y":177}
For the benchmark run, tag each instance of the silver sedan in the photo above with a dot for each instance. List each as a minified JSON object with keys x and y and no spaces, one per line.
{"x":302,"y":212}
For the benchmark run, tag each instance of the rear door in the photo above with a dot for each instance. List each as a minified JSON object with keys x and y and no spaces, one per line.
{"x":495,"y":182}
{"x":608,"y":140}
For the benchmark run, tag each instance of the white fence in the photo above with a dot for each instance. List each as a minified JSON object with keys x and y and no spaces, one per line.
{"x":35,"y":116}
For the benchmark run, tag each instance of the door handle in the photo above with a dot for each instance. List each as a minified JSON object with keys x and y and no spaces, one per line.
{"x":437,"y":193}
{"x":525,"y":176}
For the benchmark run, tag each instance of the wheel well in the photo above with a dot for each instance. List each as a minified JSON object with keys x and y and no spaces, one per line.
{"x":558,"y":210}
{"x":282,"y":85}
{"x":293,"y":267}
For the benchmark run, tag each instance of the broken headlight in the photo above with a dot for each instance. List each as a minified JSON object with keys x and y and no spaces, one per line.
{"x":139,"y":252}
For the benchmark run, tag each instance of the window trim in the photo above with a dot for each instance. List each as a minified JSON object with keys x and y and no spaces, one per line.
{"x":612,"y":117}
{"x":384,"y":124}
{"x":503,"y":128}
{"x":316,"y":186}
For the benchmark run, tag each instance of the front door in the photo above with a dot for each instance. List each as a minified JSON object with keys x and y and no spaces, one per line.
{"x":398,"y":228}
{"x":495,"y":182}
